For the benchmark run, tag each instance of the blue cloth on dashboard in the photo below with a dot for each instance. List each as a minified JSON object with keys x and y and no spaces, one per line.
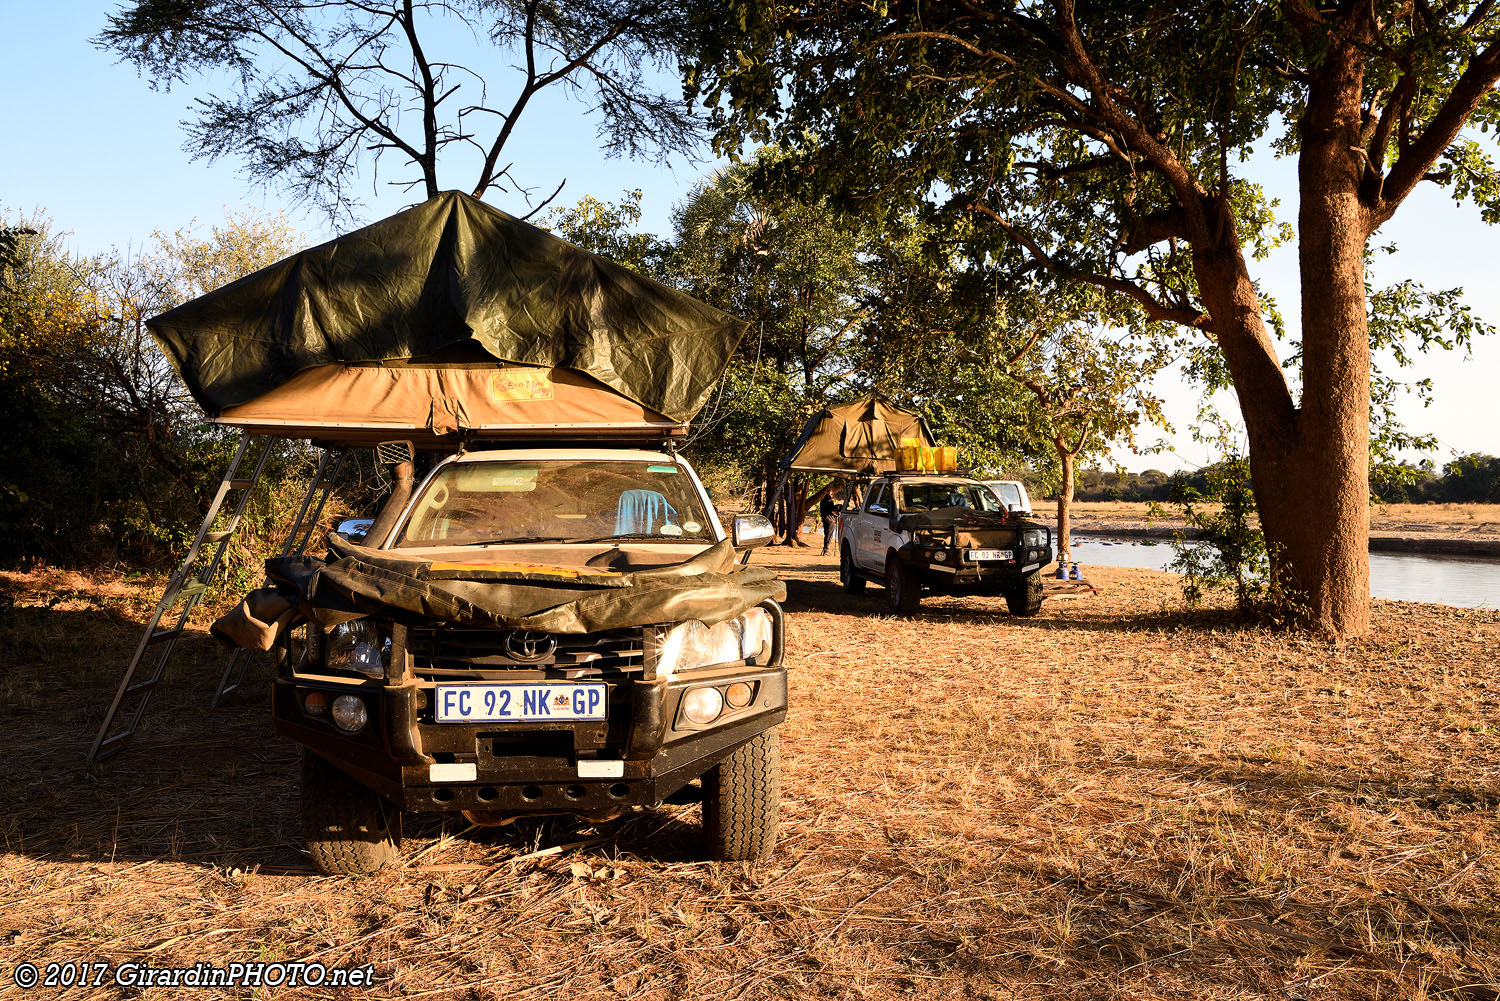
{"x":642,"y":511}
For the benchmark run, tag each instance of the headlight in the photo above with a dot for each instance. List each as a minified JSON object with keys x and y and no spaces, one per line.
{"x":702,"y":705}
{"x":1034,"y":537}
{"x":357,"y":646}
{"x":349,"y":713}
{"x":693,"y":644}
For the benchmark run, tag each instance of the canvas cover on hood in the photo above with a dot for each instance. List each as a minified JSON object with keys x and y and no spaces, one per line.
{"x":355,"y":581}
{"x":450,"y":271}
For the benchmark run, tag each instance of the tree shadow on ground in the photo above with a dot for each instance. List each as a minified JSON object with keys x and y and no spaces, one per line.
{"x":825,"y":594}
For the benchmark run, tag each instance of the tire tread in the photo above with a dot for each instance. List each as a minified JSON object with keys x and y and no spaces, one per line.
{"x":742,"y":800}
{"x":349,"y":829}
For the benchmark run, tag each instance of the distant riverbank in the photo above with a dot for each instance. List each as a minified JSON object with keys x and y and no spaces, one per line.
{"x":1432,"y":529}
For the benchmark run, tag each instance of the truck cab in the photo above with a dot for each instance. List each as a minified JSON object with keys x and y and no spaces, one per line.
{"x":416,"y":708}
{"x":942,"y":534}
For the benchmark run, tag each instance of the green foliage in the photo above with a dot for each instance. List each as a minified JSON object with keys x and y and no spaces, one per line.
{"x":1470,"y":479}
{"x":1223,"y":546}
{"x":104,"y":459}
{"x":1228,"y":550}
{"x":793,"y":270}
{"x":608,"y":229}
{"x":749,"y":423}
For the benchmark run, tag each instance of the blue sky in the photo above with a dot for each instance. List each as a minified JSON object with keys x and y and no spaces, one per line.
{"x":90,"y":143}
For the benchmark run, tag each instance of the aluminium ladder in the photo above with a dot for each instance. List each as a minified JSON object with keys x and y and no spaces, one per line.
{"x":330,"y":464}
{"x":183,"y":592}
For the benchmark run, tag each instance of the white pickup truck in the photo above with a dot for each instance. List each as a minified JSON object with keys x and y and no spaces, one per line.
{"x":944,"y":534}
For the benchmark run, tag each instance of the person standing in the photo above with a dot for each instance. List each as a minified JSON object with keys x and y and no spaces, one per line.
{"x":828,"y":511}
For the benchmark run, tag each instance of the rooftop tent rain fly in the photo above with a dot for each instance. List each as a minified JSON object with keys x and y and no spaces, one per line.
{"x":855,"y":438}
{"x":451,"y":316}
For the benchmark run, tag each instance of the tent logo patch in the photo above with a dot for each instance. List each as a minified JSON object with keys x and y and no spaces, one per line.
{"x":521,"y":385}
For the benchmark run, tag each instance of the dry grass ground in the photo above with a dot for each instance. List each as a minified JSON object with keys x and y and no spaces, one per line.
{"x":1445,"y":521}
{"x":1117,"y":799}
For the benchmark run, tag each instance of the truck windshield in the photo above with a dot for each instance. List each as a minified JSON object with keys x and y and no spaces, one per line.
{"x":931,"y":496}
{"x":1009,"y":495}
{"x":564,"y":500}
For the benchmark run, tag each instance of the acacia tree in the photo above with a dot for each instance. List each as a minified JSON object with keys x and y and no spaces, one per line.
{"x":1091,"y":390}
{"x":322,"y":88}
{"x":1104,"y":140}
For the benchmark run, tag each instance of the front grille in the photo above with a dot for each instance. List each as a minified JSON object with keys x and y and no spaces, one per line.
{"x":1002,"y":538}
{"x":445,"y":652}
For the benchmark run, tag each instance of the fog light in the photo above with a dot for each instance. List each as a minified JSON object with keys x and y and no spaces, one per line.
{"x":737,"y":695}
{"x":315,"y":704}
{"x":702,"y":705}
{"x":349,"y":713}
{"x":940,"y":556}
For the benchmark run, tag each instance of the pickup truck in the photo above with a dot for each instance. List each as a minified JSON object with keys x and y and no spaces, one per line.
{"x":942,"y":534}
{"x":406,"y":711}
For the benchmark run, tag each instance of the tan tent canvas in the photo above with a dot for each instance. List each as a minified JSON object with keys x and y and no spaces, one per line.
{"x":430,"y":402}
{"x":859,"y":437}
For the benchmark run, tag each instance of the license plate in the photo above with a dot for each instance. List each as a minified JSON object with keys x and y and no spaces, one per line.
{"x":518,"y":703}
{"x":975,"y":555}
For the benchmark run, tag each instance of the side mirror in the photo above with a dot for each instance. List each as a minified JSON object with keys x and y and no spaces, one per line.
{"x":751,"y":530}
{"x":354,"y":529}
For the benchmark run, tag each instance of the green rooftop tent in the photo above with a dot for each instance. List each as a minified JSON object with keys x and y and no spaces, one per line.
{"x":450,"y":318}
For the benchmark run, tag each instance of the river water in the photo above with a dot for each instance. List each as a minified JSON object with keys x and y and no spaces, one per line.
{"x":1464,"y":581}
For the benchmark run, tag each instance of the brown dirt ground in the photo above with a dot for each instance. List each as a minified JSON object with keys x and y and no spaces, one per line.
{"x":1470,"y":522}
{"x":1120,"y":798}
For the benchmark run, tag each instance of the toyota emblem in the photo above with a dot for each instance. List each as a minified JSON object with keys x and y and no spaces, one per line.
{"x":530,"y":647}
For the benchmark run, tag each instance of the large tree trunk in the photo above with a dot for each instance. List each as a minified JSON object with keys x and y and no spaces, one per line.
{"x":1310,"y":464}
{"x":1064,"y":499}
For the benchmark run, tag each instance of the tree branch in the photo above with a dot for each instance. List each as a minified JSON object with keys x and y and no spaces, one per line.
{"x":1478,"y":78}
{"x":1154,"y":307}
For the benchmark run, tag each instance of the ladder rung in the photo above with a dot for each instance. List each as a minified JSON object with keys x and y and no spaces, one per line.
{"x":164,"y":634}
{"x":214,"y":538}
{"x":114,"y":738}
{"x":143,"y":685}
{"x":193,"y":587}
{"x":241,"y":484}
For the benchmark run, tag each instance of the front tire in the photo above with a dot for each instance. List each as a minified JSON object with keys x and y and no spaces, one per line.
{"x":903,"y":588}
{"x":350,"y":829}
{"x":742,"y":800}
{"x":1025,"y":599}
{"x":848,"y":576}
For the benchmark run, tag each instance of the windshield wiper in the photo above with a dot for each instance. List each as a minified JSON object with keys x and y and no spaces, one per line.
{"x":519,"y":542}
{"x":637,"y":537}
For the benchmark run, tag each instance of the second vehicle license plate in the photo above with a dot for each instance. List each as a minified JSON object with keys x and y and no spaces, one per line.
{"x":975,"y":555}
{"x":518,"y":703}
